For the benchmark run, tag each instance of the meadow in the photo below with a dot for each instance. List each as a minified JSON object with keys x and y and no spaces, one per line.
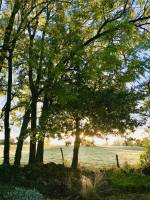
{"x":89,"y":157}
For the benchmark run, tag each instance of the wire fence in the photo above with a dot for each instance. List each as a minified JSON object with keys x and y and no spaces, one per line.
{"x":89,"y":157}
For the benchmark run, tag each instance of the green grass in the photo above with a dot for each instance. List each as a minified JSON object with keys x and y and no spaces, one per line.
{"x":126,"y":184}
{"x":129,"y":181}
{"x":133,"y":196}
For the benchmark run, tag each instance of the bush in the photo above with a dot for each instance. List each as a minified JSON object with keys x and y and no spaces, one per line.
{"x":21,"y":194}
{"x":145,"y":159}
{"x":49,"y":179}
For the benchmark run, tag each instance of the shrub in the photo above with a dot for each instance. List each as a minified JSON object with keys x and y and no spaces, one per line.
{"x":145,"y":157}
{"x":21,"y":194}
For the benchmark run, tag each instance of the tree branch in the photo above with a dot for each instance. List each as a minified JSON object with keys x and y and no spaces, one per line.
{"x":107,"y":21}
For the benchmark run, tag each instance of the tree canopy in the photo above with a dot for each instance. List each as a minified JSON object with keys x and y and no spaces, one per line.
{"x":80,"y":59}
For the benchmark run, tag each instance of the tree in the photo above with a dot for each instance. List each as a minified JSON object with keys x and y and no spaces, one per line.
{"x":7,"y":111}
{"x":82,"y":47}
{"x":109,"y":111}
{"x":10,"y":36}
{"x":13,"y":30}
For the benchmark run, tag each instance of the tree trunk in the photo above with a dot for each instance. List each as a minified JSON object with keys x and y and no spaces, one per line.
{"x":76,"y":146}
{"x":32,"y":152}
{"x":34,"y":98}
{"x":40,"y":151}
{"x":24,"y":127}
{"x":7,"y":111}
{"x":40,"y":146}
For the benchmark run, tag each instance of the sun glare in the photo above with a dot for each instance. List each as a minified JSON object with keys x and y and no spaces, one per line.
{"x":110,"y":140}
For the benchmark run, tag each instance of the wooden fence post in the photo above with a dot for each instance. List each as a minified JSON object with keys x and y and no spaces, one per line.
{"x":62,"y":155}
{"x":117,"y":160}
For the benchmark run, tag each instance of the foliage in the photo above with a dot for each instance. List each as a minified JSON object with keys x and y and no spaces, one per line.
{"x":145,"y":157}
{"x":16,"y":193}
{"x":107,"y":183}
{"x":131,"y":196}
{"x":49,"y":179}
{"x":129,"y":181}
{"x":119,"y":184}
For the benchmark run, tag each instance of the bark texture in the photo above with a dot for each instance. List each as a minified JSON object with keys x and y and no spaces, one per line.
{"x":24,"y":127}
{"x":76,"y":145}
{"x":7,"y":111}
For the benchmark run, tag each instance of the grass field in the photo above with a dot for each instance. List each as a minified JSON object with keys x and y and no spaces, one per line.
{"x":91,"y":157}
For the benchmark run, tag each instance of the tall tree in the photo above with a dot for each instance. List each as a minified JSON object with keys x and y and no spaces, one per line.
{"x":34,"y":97}
{"x":7,"y":110}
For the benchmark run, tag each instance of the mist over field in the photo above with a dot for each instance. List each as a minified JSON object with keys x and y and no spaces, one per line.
{"x":89,"y":157}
